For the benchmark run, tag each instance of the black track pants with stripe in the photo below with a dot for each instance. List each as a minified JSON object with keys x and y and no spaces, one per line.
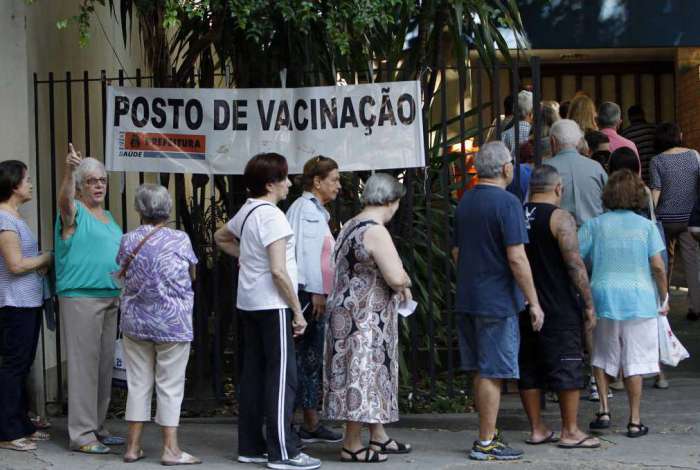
{"x":268,"y":385}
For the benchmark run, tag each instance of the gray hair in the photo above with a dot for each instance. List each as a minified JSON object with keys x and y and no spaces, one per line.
{"x":88,"y":166}
{"x":153,"y":202}
{"x":543,"y":179}
{"x":524,"y":104}
{"x":381,"y":189}
{"x":609,"y":114}
{"x":567,"y":133}
{"x":491,"y":158}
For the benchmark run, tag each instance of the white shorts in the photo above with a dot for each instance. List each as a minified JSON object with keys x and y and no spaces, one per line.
{"x":632,"y":345}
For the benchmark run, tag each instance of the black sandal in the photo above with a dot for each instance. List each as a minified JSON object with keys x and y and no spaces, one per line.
{"x":371,"y":456}
{"x":601,"y":423}
{"x":384,"y":449}
{"x":642,"y":430}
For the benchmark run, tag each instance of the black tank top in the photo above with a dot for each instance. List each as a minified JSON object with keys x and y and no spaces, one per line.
{"x":557,"y":295}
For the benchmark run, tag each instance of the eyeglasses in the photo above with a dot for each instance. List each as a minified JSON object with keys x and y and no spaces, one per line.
{"x":94,"y":181}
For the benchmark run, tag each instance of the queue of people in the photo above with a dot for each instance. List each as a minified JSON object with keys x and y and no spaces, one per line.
{"x":570,"y":263}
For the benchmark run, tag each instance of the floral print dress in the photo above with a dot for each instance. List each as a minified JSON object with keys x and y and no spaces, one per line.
{"x":361,"y":369}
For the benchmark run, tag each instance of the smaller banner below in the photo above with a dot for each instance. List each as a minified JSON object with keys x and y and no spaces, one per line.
{"x":216,"y":131}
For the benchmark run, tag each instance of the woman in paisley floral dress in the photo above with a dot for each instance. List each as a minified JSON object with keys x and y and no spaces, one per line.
{"x":361,"y":366}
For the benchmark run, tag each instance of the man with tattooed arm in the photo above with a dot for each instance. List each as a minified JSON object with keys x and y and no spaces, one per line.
{"x":552,"y":358}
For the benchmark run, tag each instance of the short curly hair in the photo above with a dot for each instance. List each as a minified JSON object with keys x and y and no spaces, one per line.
{"x":625,"y":190}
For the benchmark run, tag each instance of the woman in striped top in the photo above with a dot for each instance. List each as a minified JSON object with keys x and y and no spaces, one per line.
{"x":21,"y":267}
{"x":675,"y":180}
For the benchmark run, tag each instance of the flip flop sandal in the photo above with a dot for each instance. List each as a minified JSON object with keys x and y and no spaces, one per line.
{"x":135,"y":459}
{"x":184,"y":459}
{"x":371,"y":456}
{"x":39,"y":436}
{"x":642,"y":430}
{"x":601,"y":423}
{"x":40,"y":423}
{"x":580,"y":444}
{"x":551,"y":438}
{"x":94,"y":448}
{"x":21,"y":445}
{"x":384,"y":449}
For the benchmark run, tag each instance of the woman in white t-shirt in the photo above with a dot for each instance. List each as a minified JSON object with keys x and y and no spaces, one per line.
{"x":260,"y":236}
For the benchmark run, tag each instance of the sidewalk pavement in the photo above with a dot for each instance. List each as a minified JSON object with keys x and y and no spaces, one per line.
{"x":441,"y":441}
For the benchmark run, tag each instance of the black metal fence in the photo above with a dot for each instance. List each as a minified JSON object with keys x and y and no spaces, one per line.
{"x":453,"y":132}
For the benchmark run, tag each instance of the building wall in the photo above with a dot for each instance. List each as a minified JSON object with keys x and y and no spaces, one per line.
{"x":30,"y":43}
{"x":688,"y":94}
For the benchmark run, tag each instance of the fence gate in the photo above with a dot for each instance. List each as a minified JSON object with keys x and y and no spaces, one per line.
{"x":464,"y":107}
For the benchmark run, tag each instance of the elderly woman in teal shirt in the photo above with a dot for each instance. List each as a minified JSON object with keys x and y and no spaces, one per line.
{"x":86,"y":243}
{"x":629,"y":289}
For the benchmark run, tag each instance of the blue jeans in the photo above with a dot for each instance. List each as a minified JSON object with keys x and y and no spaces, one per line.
{"x":310,"y":357}
{"x":489,"y":345}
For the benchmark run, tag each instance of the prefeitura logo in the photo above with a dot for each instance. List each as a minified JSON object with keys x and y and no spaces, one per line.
{"x":156,"y":145}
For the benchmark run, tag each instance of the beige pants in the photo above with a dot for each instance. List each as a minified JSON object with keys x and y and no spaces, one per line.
{"x":681,"y":244}
{"x":89,"y":329}
{"x":160,"y":364}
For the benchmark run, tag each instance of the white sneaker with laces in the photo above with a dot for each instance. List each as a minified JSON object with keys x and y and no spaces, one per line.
{"x":300,"y":462}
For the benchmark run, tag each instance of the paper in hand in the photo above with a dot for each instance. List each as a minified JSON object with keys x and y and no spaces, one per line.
{"x":407,"y":307}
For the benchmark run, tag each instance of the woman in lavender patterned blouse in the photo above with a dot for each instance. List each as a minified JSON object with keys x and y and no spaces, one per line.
{"x":157,"y":265}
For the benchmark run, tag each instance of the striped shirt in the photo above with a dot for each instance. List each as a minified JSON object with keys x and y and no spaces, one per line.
{"x":677,"y":176}
{"x":643,"y":135}
{"x":20,"y":290}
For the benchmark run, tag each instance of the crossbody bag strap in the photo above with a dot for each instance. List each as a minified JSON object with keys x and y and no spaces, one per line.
{"x":248,"y":215}
{"x":133,"y":254}
{"x":347,"y":236}
{"x":652,"y":211}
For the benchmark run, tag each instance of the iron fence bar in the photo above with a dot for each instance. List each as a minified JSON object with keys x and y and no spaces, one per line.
{"x":444,"y":180}
{"x":86,"y":111}
{"x":103,"y":93}
{"x":69,"y":108}
{"x":52,"y":145}
{"x":37,"y":180}
{"x":536,"y":107}
{"x":138,"y":85}
{"x":123,"y":175}
{"x":461,"y":72}
{"x":429,"y":257}
{"x":217,"y":375}
{"x":514,"y":90}
{"x":478,"y":86}
{"x":496,"y":97}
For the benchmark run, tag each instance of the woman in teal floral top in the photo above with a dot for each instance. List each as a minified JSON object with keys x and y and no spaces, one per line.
{"x":628,"y":279}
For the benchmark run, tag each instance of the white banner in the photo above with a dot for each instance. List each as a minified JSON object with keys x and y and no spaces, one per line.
{"x":216,"y":131}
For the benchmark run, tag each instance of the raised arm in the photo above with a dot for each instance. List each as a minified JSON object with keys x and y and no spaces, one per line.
{"x":563,"y":227}
{"x":66,"y":194}
{"x":520,"y":267}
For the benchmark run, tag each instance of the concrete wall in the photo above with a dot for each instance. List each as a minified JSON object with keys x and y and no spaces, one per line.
{"x":30,"y":43}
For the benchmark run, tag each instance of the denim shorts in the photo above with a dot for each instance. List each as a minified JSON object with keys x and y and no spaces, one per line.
{"x":489,"y":345}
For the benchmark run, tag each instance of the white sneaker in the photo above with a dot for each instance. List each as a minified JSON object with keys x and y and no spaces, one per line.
{"x":300,"y":462}
{"x":593,"y":393}
{"x":253,"y":459}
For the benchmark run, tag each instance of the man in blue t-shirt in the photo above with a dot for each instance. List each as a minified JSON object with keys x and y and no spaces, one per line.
{"x":492,"y":274}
